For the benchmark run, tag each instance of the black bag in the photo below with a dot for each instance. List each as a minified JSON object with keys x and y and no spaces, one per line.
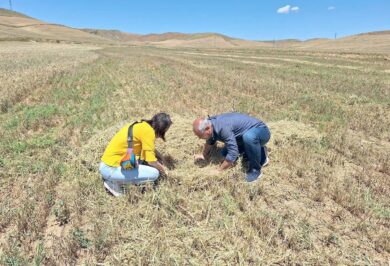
{"x":129,"y":160}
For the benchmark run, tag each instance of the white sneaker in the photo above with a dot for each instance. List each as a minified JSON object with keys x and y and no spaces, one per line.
{"x":266,"y":157}
{"x":113,"y":187}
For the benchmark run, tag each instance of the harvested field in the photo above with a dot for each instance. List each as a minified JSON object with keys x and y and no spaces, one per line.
{"x":322,"y":200}
{"x":23,"y":71}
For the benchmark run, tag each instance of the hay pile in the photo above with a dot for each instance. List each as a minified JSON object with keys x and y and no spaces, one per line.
{"x":200,"y":217}
{"x":181,"y":145}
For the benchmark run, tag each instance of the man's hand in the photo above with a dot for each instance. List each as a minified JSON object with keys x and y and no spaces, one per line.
{"x":199,"y":157}
{"x":200,"y":160}
{"x":225,"y":165}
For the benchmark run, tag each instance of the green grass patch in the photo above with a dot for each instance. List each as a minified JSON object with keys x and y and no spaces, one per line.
{"x":42,"y":142}
{"x":34,"y":116}
{"x":12,"y":123}
{"x":17,"y":146}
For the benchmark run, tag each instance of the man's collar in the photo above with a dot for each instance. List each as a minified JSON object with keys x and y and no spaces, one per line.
{"x":213,"y":132}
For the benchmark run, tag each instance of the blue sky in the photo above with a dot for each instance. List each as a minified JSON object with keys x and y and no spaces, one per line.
{"x":247,"y":19}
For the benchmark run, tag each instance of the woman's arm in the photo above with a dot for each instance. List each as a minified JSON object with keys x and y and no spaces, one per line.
{"x":158,"y":166}
{"x":159,"y":157}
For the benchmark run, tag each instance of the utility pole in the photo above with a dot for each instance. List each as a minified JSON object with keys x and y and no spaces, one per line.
{"x":10,"y":4}
{"x":335,"y":35}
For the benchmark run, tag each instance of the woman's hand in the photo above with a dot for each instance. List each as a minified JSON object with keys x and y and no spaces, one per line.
{"x":163,"y":172}
{"x":160,"y":167}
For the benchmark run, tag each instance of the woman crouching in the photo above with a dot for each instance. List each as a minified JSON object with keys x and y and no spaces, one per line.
{"x":136,"y":142}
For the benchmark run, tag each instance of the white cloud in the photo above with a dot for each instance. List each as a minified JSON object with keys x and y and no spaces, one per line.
{"x":287,"y":9}
{"x":295,"y":9}
{"x":283,"y":10}
{"x":331,"y":8}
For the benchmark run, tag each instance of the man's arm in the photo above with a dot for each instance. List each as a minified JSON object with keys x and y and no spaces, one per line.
{"x":232,"y":149}
{"x":225,"y":165}
{"x":205,"y":152}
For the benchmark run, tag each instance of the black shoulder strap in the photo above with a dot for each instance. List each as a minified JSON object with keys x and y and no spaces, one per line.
{"x":211,"y":117}
{"x":130,"y":135}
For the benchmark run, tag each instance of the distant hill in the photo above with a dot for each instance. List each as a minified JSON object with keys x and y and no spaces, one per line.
{"x":153,"y":37}
{"x":181,"y":36}
{"x":17,"y":26}
{"x":383,"y":32}
{"x":176,"y":39}
{"x":377,"y":41}
{"x":115,"y":35}
{"x":370,"y":42}
{"x":11,"y":13}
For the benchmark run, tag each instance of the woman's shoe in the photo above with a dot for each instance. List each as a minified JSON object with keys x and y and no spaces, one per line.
{"x":113,"y":187}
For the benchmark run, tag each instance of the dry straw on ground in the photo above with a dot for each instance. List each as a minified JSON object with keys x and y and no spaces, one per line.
{"x":322,"y":200}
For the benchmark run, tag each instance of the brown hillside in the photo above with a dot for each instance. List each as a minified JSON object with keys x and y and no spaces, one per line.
{"x":175,"y":39}
{"x":16,"y":26}
{"x":10,"y":13}
{"x":369,"y":42}
{"x":153,"y":37}
{"x":212,"y":40}
{"x":114,"y":35}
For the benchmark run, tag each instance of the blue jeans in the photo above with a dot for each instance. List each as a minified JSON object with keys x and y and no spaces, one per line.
{"x":252,"y":146}
{"x":140,"y":175}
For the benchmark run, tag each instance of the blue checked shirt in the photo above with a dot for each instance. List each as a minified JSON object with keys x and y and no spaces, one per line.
{"x":230,"y":126}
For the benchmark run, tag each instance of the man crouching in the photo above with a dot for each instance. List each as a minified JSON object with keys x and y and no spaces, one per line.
{"x":241,"y":134}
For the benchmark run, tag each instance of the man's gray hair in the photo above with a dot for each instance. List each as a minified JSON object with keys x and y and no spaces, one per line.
{"x":203,"y":124}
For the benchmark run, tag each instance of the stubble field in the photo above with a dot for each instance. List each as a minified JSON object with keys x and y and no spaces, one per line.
{"x":322,"y":200}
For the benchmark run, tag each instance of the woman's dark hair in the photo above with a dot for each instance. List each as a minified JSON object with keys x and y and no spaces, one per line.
{"x":160,"y":123}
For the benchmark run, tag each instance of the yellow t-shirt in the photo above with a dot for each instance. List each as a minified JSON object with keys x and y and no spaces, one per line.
{"x":143,"y":142}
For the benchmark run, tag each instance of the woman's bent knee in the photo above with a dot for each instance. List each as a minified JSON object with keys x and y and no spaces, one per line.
{"x":148,"y":172}
{"x":154,"y":174}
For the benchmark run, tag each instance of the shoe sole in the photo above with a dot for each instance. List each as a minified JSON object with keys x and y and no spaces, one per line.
{"x":266,"y":157}
{"x":113,"y":192}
